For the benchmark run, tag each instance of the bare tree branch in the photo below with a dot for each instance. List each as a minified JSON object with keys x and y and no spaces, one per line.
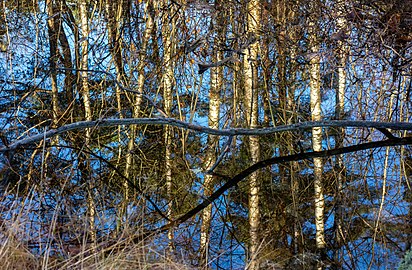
{"x":268,"y":162}
{"x":202,"y":129}
{"x":225,"y":149}
{"x":205,"y":66}
{"x":387,"y":133}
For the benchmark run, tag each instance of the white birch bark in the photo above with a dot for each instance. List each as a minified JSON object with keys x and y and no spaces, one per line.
{"x":251,"y":113}
{"x":316,"y":115}
{"x":168,"y":32}
{"x":85,"y":92}
{"x":214,"y":110}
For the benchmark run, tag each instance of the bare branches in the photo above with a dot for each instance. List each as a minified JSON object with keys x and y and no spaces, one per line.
{"x":386,"y":132}
{"x":201,"y":129}
{"x":219,"y":159}
{"x":205,"y":66}
{"x":230,"y":59}
{"x":272,"y":161}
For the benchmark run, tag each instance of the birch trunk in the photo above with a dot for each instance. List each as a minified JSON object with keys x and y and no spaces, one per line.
{"x":216,"y":77}
{"x":85,"y":92}
{"x":340,"y":112}
{"x":115,"y":48}
{"x":168,"y":32}
{"x":315,"y":106}
{"x":251,"y":108}
{"x":137,"y":99}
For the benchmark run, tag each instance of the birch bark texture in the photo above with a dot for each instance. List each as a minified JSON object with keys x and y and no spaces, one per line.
{"x":168,"y":33}
{"x":250,"y":70}
{"x":316,"y":115}
{"x":85,"y":92}
{"x":216,"y":79}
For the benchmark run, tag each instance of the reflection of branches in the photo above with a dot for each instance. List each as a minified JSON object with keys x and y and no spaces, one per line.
{"x":205,"y":66}
{"x":272,"y":161}
{"x":121,"y":175}
{"x":201,"y":129}
{"x":225,"y":149}
{"x":262,"y":164}
{"x":126,"y":89}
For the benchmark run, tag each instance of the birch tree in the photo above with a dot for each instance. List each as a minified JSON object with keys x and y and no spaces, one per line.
{"x":168,"y":82}
{"x":250,"y":69}
{"x":316,"y":115}
{"x":85,"y":93}
{"x":216,"y":78}
{"x":137,"y":98}
{"x":341,"y":54}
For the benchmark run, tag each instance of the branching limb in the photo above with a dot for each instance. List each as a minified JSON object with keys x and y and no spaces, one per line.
{"x":121,"y":86}
{"x":272,"y":161}
{"x":205,"y":66}
{"x":387,"y":133}
{"x":201,"y":129}
{"x":225,"y":148}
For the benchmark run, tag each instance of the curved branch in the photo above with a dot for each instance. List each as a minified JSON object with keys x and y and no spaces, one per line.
{"x":202,"y":129}
{"x":275,"y":160}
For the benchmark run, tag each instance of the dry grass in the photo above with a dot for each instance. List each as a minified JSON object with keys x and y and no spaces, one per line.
{"x":15,"y":254}
{"x":24,"y":244}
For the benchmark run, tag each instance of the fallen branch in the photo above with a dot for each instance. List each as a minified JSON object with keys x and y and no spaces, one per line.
{"x":201,"y":129}
{"x":268,"y":162}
